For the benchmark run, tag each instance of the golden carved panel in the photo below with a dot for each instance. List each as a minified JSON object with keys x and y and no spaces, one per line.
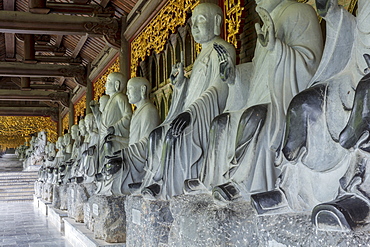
{"x":99,"y":84}
{"x":233,"y":14}
{"x":80,"y":108}
{"x":65,"y":122}
{"x":155,"y":36}
{"x":15,"y":130}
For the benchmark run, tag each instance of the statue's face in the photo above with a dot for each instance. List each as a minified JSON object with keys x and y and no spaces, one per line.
{"x":82,"y":128}
{"x":203,"y":25}
{"x":89,"y":124}
{"x":74,"y":132}
{"x":109,"y":85}
{"x":133,"y":93}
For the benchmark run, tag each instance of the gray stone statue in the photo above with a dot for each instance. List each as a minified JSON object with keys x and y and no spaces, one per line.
{"x":116,"y":116}
{"x":177,"y":148}
{"x":90,"y":156}
{"x":130,"y":162}
{"x":98,"y":107}
{"x":318,"y":164}
{"x":244,"y":143}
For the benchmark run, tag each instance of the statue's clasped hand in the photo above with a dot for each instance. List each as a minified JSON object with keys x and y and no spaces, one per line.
{"x":227,"y":67}
{"x":180,"y":123}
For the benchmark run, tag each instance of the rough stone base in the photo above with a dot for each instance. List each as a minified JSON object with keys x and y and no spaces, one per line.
{"x":47,"y":192}
{"x":148,"y":222}
{"x":35,"y":201}
{"x":56,"y":216}
{"x":105,"y":216}
{"x":43,"y":206}
{"x":78,"y":194}
{"x":200,"y":221}
{"x":78,"y":235}
{"x":60,"y":197}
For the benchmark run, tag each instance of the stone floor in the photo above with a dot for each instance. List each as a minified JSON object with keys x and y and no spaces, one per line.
{"x":21,"y":224}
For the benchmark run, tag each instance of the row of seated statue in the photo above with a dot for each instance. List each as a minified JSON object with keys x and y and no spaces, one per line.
{"x":287,"y":131}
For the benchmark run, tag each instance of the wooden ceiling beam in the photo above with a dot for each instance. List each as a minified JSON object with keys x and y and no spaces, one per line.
{"x":30,"y":111}
{"x":59,"y":59}
{"x":29,"y":23}
{"x":35,"y":95}
{"x":79,"y":46}
{"x":9,"y":37}
{"x":13,"y":69}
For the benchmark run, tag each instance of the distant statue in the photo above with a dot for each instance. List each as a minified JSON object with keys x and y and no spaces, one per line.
{"x":65,"y":169}
{"x":177,"y":148}
{"x":129,"y":164}
{"x":90,"y":158}
{"x":77,"y":170}
{"x":319,"y":164}
{"x":116,"y":116}
{"x":244,"y":142}
{"x":97,"y":108}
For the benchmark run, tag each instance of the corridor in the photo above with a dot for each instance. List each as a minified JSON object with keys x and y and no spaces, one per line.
{"x":20,"y":224}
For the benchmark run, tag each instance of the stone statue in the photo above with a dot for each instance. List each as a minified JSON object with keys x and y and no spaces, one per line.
{"x":97,"y":111}
{"x":132,"y":159}
{"x":177,"y":147}
{"x":65,"y":169}
{"x":316,"y":165}
{"x":76,"y":170}
{"x":351,"y":209}
{"x":116,"y":116}
{"x":244,"y":143}
{"x":90,"y":158}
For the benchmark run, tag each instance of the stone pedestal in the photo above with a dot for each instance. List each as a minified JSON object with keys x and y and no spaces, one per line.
{"x":201,"y":221}
{"x":36,"y":201}
{"x":60,"y":197}
{"x":43,"y":206}
{"x":47,"y":192}
{"x":38,"y":188}
{"x":148,"y":222}
{"x":78,"y":194}
{"x":56,"y":216}
{"x":78,"y":235}
{"x":105,"y":216}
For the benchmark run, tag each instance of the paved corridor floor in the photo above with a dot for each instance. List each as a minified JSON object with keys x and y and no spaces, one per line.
{"x":22,"y":225}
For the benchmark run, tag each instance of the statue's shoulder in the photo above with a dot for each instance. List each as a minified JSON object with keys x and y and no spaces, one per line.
{"x":293,"y":8}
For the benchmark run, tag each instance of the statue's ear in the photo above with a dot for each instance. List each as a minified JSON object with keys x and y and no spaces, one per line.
{"x":117,"y":86}
{"x":143,"y":91}
{"x":217,"y":25}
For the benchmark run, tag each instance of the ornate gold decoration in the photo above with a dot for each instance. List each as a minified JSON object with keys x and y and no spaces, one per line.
{"x":80,"y":108}
{"x":155,"y":36}
{"x":65,"y":122}
{"x":233,"y":14}
{"x":99,"y":84}
{"x":15,"y":130}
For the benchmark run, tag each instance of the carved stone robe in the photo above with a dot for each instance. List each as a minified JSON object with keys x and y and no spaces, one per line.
{"x":316,"y":176}
{"x":244,"y":143}
{"x":172,"y":160}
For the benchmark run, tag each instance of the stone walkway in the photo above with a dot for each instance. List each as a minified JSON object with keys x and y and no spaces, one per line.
{"x":21,"y":224}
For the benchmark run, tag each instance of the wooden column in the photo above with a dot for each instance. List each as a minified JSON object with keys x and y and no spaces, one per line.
{"x":124,"y":51}
{"x":71,"y":113}
{"x":25,"y":82}
{"x":89,"y":90}
{"x":60,"y":123}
